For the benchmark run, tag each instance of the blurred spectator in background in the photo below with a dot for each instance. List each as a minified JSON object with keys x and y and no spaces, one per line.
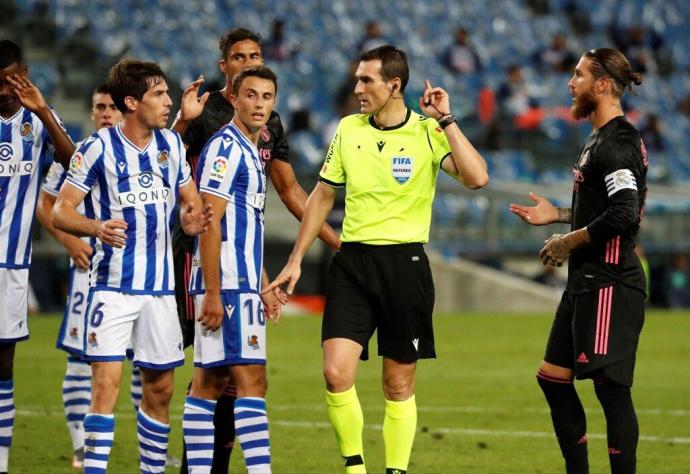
{"x":276,"y":48}
{"x":678,"y":288}
{"x":512,"y":96}
{"x":557,"y":57}
{"x":373,"y":37}
{"x":684,"y":106}
{"x":306,"y":149}
{"x":461,"y":57}
{"x":651,"y":134}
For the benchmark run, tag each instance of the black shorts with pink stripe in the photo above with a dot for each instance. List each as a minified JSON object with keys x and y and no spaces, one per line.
{"x":597,"y":333}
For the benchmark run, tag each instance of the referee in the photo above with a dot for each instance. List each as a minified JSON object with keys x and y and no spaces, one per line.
{"x":387,"y":158}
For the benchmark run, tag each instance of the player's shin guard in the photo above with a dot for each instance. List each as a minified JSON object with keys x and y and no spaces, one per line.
{"x":153,"y":443}
{"x":197,"y":428}
{"x":99,"y":432}
{"x":622,"y":429}
{"x":399,"y":427}
{"x":6,"y":421}
{"x":569,"y":421}
{"x":251,"y":425}
{"x":345,"y":414}
{"x":76,"y":398}
{"x":135,"y":390}
{"x":224,"y":426}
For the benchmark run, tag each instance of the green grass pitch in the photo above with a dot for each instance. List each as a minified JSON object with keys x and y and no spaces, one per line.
{"x":480,"y":409}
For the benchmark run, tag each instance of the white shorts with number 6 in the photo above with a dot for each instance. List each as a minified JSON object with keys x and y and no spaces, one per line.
{"x":149,"y":322}
{"x":241,"y":338}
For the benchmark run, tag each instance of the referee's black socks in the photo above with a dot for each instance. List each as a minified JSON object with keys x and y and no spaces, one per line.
{"x":569,"y":421}
{"x":622,"y":430}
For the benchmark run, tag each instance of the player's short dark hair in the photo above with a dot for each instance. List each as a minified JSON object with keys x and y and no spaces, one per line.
{"x":261,"y":72}
{"x":101,"y":89}
{"x":393,"y":63}
{"x":10,"y":53}
{"x":611,"y":63}
{"x":235,"y":36}
{"x":132,"y":78}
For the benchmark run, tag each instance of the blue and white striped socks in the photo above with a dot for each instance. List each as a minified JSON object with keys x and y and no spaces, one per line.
{"x":153,"y":443}
{"x":76,"y":397}
{"x":135,"y":393}
{"x":251,"y":425}
{"x":197,"y":427}
{"x":6,"y":421}
{"x":99,"y":431}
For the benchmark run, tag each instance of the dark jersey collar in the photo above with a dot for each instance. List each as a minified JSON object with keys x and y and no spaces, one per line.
{"x":373,"y":123}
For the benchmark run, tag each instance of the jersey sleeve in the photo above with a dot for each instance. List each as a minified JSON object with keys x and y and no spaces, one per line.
{"x":220,"y":164}
{"x":86,"y":163}
{"x":185,"y":174}
{"x":49,"y":147}
{"x":440,"y":148}
{"x":619,"y":164}
{"x":281,"y":149}
{"x":332,"y":172}
{"x":192,"y":136}
{"x":54,"y":179}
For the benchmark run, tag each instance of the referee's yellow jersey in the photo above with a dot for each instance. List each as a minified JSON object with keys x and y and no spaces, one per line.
{"x":389,"y":177}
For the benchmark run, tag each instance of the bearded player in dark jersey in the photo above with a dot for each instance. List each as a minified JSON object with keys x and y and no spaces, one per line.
{"x":598,"y":322}
{"x":199,"y":119}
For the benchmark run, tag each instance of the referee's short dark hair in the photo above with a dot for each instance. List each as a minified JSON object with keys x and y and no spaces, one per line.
{"x":261,"y":72}
{"x":393,"y":63}
{"x":130,"y":77}
{"x":235,"y":36}
{"x":10,"y":53}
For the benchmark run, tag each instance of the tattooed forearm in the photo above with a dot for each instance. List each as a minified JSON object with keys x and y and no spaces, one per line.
{"x":565,"y":215}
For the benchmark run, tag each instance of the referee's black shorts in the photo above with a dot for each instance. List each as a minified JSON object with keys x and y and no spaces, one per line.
{"x":597,"y":333}
{"x":388,"y":288}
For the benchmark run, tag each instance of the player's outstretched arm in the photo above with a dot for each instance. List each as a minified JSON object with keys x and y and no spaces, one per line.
{"x":78,"y":250}
{"x":66,"y":218}
{"x":31,"y":98}
{"x":466,"y":164}
{"x":191,"y":106}
{"x":319,"y":204}
{"x":543,"y":213}
{"x":295,"y":198}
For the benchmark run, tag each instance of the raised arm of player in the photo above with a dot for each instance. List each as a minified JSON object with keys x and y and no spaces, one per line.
{"x":191,"y":106}
{"x":319,"y":204}
{"x":465,"y":164}
{"x":211,"y":314}
{"x":193,"y":218}
{"x":78,"y":250}
{"x":32,"y":99}
{"x":295,"y":198}
{"x":66,"y":218}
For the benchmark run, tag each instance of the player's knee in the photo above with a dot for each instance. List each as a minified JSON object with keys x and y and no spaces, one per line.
{"x":609,"y":392}
{"x":337,"y":379}
{"x":6,"y":361}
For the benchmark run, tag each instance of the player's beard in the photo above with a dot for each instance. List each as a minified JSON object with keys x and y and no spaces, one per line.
{"x":584,"y":105}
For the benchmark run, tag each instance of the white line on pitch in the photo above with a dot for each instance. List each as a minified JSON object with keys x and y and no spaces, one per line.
{"x":444,"y":430}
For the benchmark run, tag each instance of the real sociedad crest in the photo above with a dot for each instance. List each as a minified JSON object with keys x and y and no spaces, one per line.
{"x":27,"y":132}
{"x":163,"y":159}
{"x":402,"y":168}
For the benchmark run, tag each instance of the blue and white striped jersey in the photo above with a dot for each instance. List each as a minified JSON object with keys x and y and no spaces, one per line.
{"x":230,"y":167}
{"x":141,"y":188}
{"x":26,"y":151}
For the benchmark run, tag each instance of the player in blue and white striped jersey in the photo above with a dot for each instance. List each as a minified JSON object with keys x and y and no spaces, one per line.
{"x":76,"y":383}
{"x":135,"y":175}
{"x":230,"y":336}
{"x":31,"y":135}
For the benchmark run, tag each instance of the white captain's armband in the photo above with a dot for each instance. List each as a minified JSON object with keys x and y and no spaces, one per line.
{"x":620,"y":180}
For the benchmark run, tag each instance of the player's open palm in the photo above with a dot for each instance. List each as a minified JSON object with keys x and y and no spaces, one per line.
{"x":543,"y":213}
{"x":28,"y":94}
{"x":112,"y":232}
{"x":211,"y":315}
{"x":191,"y":105}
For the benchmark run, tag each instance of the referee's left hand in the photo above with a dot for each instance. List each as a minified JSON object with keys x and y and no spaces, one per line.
{"x":435,"y":102}
{"x":290,"y":275}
